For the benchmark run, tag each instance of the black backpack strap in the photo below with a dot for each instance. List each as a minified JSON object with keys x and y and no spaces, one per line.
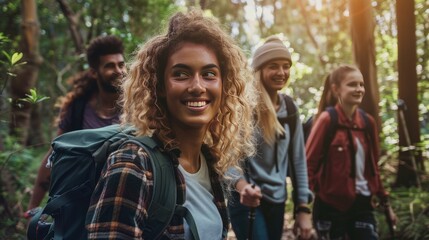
{"x":292,"y":114}
{"x":368,"y":127}
{"x":332,"y":129}
{"x":53,"y":207}
{"x":306,"y":127}
{"x":290,"y":119}
{"x":163,"y":203}
{"x":369,"y":132}
{"x":33,"y":225}
{"x":77,"y":111}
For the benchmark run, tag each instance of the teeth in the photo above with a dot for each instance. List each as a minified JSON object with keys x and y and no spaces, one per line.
{"x":196,"y":104}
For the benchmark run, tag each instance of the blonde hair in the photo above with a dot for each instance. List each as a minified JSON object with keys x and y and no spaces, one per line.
{"x":229,"y":134}
{"x":266,"y":115}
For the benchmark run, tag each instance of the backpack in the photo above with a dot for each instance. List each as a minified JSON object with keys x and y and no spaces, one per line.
{"x":290,"y":119}
{"x":77,"y":160}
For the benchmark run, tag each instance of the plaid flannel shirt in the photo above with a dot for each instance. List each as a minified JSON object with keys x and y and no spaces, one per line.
{"x":118,"y":207}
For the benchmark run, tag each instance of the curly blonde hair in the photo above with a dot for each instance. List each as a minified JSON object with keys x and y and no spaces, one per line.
{"x":229,"y":134}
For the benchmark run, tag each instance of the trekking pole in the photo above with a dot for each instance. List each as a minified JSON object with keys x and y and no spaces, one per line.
{"x":401,"y":108}
{"x":389,"y":222}
{"x":251,"y":220}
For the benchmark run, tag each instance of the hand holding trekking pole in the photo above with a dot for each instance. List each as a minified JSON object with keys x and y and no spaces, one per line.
{"x":250,"y":196}
{"x":391,"y":219}
{"x":251,"y":220}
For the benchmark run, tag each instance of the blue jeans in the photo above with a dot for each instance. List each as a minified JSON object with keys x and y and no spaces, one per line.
{"x":268,"y":223}
{"x":357,"y":223}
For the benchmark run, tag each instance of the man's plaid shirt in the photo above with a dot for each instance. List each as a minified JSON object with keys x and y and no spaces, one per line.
{"x":118,"y":207}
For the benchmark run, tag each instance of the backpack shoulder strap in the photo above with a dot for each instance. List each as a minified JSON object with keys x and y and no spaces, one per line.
{"x":369,"y":133}
{"x":306,"y":127}
{"x":332,"y":130}
{"x":292,"y":114}
{"x":163,"y":202}
{"x":290,"y":120}
{"x":77,"y":112}
{"x":163,"y":205}
{"x":368,"y":127}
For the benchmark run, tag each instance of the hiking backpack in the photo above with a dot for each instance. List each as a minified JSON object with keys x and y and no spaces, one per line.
{"x":290,"y":119}
{"x":77,"y":160}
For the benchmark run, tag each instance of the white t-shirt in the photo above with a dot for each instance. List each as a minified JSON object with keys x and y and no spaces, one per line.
{"x":361,"y":182}
{"x":199,"y":201}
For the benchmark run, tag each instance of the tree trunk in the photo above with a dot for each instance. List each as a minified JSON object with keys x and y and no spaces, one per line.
{"x":362,"y":31}
{"x":27,"y":74}
{"x":407,"y":85}
{"x":73,"y":20}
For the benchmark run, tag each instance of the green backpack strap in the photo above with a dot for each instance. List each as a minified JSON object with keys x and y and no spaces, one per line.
{"x":163,"y":203}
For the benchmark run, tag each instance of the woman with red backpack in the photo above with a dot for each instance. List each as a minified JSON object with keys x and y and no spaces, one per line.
{"x":343,"y":172}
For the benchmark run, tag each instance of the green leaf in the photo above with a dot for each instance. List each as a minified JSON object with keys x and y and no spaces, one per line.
{"x":16,"y":57}
{"x":33,"y":97}
{"x":6,"y":54}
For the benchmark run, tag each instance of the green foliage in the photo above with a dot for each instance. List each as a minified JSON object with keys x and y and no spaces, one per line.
{"x":411,"y":205}
{"x":319,"y":37}
{"x":9,"y":64}
{"x":33,"y":97}
{"x":18,"y":170}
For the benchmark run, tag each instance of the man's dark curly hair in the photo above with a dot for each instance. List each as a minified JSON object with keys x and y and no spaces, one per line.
{"x":103,"y":45}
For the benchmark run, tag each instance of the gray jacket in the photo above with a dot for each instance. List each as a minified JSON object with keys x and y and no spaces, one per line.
{"x":261,"y":169}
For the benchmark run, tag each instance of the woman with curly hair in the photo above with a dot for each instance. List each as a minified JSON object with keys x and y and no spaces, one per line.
{"x":189,"y":89}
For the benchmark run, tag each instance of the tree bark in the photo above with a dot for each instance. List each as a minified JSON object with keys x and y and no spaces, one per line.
{"x":27,"y":75}
{"x":362,"y":32}
{"x":408,"y":90}
{"x":73,"y":20}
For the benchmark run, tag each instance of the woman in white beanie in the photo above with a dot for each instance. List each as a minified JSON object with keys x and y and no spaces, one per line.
{"x":262,"y":187}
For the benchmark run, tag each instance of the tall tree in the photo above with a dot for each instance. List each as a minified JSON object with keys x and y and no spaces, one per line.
{"x":409,"y":134}
{"x":362,"y":32}
{"x":27,"y":75}
{"x":73,"y":20}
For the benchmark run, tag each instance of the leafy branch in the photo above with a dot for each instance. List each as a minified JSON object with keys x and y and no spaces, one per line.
{"x":14,"y":61}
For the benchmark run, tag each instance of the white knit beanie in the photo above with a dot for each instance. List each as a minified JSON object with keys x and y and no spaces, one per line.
{"x":273,"y":48}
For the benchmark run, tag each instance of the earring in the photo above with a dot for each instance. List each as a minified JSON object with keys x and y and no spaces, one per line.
{"x":340,"y":100}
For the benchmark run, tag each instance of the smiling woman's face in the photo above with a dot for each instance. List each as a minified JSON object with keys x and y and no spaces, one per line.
{"x":193,"y":86}
{"x":351,"y":89}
